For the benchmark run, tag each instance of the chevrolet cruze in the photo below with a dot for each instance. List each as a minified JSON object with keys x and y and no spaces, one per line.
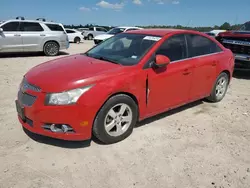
{"x":105,"y":91}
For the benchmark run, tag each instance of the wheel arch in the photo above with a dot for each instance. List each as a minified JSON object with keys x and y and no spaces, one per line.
{"x":228,"y":74}
{"x":51,"y":41}
{"x":133,"y":97}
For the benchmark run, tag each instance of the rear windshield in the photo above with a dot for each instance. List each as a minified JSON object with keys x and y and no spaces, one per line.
{"x":54,"y":27}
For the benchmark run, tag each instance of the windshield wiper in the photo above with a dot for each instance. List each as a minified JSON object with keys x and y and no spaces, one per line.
{"x":107,"y":59}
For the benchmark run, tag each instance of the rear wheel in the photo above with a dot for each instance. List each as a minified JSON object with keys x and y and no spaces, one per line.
{"x":116,"y":119}
{"x":90,"y":37}
{"x":77,"y":40}
{"x":51,"y":48}
{"x":220,"y":88}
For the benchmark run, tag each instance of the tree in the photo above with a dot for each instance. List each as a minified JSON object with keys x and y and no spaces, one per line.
{"x":225,"y":26}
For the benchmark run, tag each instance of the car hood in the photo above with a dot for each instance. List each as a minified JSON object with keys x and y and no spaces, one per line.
{"x":235,"y":34}
{"x":69,"y":72}
{"x":103,"y":37}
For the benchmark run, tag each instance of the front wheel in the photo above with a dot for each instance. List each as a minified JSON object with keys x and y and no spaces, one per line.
{"x":51,"y":49}
{"x":116,"y":119}
{"x":90,"y":37}
{"x":220,"y":88}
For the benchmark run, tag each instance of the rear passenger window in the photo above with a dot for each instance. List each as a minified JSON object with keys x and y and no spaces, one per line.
{"x":29,"y":26}
{"x":91,"y":29}
{"x":174,"y":48}
{"x":54,"y":27}
{"x":199,"y":45}
{"x":11,"y":26}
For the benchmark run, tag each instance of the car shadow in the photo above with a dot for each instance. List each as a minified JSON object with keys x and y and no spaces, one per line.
{"x":239,"y":74}
{"x":87,"y":143}
{"x":27,"y":54}
{"x":57,"y":142}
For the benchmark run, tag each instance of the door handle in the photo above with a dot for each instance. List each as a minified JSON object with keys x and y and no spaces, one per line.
{"x":42,"y":35}
{"x":186,"y":72}
{"x":17,"y":35}
{"x":214,"y":63}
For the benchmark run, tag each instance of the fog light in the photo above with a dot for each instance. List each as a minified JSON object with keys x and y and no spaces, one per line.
{"x":58,"y":128}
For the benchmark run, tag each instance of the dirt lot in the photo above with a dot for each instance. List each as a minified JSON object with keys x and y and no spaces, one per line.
{"x":200,"y":145}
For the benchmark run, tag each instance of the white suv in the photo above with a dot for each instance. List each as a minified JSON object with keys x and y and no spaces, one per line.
{"x":22,"y":35}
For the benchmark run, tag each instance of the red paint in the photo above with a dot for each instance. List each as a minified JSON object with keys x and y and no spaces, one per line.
{"x":169,"y":87}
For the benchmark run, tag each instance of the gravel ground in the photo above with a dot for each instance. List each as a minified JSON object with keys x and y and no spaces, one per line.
{"x":200,"y":145}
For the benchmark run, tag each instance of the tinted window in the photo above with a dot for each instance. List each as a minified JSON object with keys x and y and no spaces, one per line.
{"x":11,"y":26}
{"x":199,"y":45}
{"x":70,"y":31}
{"x":29,"y":26}
{"x":174,"y":48}
{"x":91,"y":29}
{"x":100,"y":29}
{"x":55,"y":27}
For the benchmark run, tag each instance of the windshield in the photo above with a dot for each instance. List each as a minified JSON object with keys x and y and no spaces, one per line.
{"x":116,"y":31}
{"x":245,"y":27}
{"x":125,"y":49}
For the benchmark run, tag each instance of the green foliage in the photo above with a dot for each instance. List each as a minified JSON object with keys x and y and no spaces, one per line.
{"x":224,"y":26}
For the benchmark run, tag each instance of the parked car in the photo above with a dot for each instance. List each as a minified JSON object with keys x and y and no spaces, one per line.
{"x":217,"y":31}
{"x":125,"y":79}
{"x":239,"y":43}
{"x":74,"y":35}
{"x":210,"y":34}
{"x":83,"y":29}
{"x":93,"y":32}
{"x":22,"y":35}
{"x":113,"y":32}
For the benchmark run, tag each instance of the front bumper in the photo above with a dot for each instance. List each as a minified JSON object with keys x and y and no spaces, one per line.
{"x":242,"y":62}
{"x":77,"y":116}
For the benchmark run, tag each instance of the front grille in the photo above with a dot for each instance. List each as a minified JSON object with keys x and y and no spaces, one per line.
{"x":26,"y":99}
{"x":239,"y":47}
{"x":27,"y":86}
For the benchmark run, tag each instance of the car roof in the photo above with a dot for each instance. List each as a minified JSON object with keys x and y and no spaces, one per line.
{"x":161,"y":32}
{"x":37,"y":21}
{"x":127,"y":27}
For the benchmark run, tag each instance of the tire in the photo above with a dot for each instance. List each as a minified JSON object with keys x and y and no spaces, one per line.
{"x":120,"y":124}
{"x":90,"y":37}
{"x":51,"y":48}
{"x":77,"y":40}
{"x":220,"y":88}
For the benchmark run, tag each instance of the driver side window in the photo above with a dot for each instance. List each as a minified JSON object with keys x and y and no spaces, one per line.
{"x":174,"y":48}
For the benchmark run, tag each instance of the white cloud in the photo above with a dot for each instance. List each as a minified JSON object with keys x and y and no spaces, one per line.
{"x":95,"y":8}
{"x":175,"y":2}
{"x":84,"y":9}
{"x":137,"y":2}
{"x":115,"y":6}
{"x":160,"y":2}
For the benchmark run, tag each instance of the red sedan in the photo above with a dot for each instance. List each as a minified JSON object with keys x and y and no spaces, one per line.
{"x":127,"y":78}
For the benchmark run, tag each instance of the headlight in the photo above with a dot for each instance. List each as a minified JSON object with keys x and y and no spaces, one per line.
{"x":67,"y":97}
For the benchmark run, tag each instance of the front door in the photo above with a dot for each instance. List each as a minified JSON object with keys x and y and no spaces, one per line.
{"x":169,"y":86}
{"x":10,"y":38}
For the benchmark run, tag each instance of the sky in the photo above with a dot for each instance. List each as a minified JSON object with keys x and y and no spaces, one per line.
{"x":130,"y":12}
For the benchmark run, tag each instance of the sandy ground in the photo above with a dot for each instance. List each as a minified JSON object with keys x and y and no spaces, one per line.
{"x":200,"y":145}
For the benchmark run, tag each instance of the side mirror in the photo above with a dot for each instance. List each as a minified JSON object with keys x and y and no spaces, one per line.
{"x":1,"y":30}
{"x":161,"y":61}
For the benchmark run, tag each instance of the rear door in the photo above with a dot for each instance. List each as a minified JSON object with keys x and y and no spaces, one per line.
{"x":205,"y":55}
{"x":99,"y":31}
{"x":10,"y":38}
{"x":32,"y":35}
